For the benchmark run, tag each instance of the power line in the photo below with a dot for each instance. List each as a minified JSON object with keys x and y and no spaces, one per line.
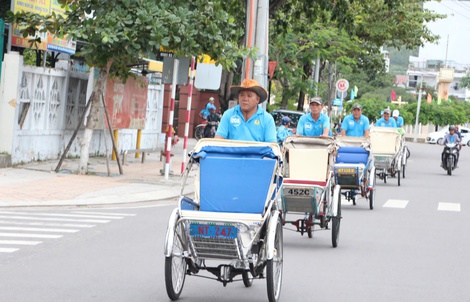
{"x":461,"y":5}
{"x":455,"y":11}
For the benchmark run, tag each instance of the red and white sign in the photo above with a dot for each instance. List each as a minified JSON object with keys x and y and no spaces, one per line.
{"x":342,"y":85}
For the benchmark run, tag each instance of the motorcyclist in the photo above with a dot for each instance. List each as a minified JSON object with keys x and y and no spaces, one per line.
{"x":283,"y":131}
{"x":451,"y":137}
{"x":213,"y":120}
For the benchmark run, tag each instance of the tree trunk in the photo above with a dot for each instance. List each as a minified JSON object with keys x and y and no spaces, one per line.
{"x":92,"y":119}
{"x":224,"y":91}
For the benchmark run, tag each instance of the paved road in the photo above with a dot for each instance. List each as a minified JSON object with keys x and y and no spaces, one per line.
{"x":412,"y":247}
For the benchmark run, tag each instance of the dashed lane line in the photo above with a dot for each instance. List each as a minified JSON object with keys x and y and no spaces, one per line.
{"x":20,"y":242}
{"x":396,"y":203}
{"x":448,"y":206}
{"x":8,"y":250}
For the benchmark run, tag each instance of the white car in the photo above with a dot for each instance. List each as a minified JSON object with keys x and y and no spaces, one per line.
{"x":436,"y":137}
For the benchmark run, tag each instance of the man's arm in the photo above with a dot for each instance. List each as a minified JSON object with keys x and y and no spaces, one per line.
{"x":366,"y":133}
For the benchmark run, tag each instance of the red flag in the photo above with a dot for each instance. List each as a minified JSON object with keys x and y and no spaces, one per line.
{"x":394,"y":96}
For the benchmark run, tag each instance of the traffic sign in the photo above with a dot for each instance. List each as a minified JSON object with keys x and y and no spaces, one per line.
{"x":342,"y":85}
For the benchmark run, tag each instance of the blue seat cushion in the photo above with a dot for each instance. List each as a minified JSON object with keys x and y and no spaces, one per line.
{"x":352,"y":155}
{"x":235,"y":185}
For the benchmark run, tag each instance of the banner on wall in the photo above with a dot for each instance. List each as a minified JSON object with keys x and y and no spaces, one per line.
{"x":48,"y":41}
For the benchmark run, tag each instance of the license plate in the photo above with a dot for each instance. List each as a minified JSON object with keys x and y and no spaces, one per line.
{"x":299,"y":191}
{"x":213,"y":231}
{"x":346,"y":170}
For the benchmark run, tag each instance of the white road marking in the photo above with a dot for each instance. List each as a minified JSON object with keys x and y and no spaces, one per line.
{"x":61,"y":215}
{"x":448,"y":206}
{"x":66,"y":225}
{"x":38,"y":229}
{"x":101,"y":213}
{"x":55,"y":219}
{"x":20,"y":242}
{"x":29,"y":235}
{"x":396,"y":203}
{"x":7,"y":250}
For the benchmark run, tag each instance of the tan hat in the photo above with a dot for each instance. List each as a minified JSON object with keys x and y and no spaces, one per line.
{"x":250,"y":84}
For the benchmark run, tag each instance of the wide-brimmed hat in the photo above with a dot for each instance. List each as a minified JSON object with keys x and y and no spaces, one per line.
{"x":316,"y":100}
{"x":250,"y":84}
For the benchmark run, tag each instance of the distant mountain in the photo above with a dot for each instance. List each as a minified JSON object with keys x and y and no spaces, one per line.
{"x":399,"y":59}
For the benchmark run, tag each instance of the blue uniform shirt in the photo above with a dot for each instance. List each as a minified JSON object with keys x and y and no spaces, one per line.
{"x":353,"y":127}
{"x":282,"y":133}
{"x":400,"y":121}
{"x":260,"y":127}
{"x":307,"y":126}
{"x":382,"y":123}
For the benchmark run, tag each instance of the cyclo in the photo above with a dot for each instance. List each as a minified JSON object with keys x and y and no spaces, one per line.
{"x":232,"y":227}
{"x":354,"y":168}
{"x":388,"y":150}
{"x":308,"y":187}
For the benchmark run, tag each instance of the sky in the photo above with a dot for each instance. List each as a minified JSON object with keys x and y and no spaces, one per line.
{"x":455,"y":29}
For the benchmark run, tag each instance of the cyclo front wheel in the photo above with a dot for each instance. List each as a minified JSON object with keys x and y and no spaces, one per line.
{"x":336,"y":223}
{"x":274,"y":266}
{"x":175,"y":266}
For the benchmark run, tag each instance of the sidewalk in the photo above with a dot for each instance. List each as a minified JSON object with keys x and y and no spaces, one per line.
{"x":36,"y":184}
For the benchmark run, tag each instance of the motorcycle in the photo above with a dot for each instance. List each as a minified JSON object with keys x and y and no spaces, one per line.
{"x":199,"y":131}
{"x":205,"y":130}
{"x":450,"y":157}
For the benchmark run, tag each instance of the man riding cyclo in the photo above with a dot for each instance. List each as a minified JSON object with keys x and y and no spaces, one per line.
{"x":386,"y":121}
{"x":356,"y":124}
{"x":314,"y":123}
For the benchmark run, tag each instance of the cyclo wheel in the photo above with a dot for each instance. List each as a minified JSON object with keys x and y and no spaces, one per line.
{"x":398,"y":177}
{"x":247,"y":278}
{"x":274,"y":266}
{"x":403,"y":170}
{"x":336,"y":223}
{"x":175,"y":266}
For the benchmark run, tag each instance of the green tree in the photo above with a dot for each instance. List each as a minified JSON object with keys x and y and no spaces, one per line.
{"x":352,"y":42}
{"x":118,"y":33}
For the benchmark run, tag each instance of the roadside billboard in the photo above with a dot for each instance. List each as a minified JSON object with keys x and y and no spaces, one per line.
{"x":48,"y":41}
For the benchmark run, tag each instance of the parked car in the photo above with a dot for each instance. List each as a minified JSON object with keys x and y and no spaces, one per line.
{"x":294,"y":116}
{"x":436,"y":137}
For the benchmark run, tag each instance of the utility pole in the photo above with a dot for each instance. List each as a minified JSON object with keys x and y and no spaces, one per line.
{"x":415,"y":139}
{"x":257,"y":33}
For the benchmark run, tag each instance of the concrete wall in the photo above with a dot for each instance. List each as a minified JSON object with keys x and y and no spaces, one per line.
{"x":40,"y":108}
